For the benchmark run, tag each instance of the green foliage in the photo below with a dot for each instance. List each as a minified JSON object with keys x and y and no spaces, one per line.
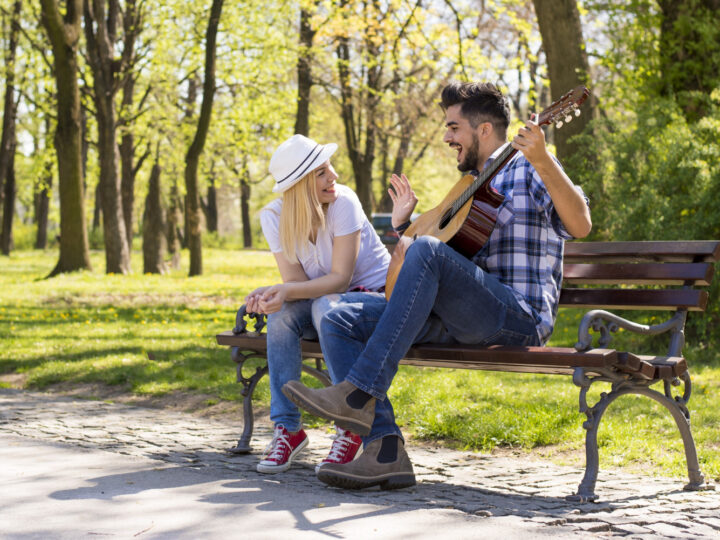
{"x":690,"y":54}
{"x":655,"y":176}
{"x":24,"y":235}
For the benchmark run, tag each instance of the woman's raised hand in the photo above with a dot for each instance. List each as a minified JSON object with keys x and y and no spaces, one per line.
{"x":403,"y":198}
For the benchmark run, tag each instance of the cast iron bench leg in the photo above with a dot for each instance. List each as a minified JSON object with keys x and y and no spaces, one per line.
{"x":249,"y":384}
{"x":676,"y":406}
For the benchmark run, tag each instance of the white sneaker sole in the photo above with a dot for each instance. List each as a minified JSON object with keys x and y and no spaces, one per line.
{"x":267,"y":467}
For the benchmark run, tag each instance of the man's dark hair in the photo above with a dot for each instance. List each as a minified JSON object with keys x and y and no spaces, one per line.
{"x":479,"y":102}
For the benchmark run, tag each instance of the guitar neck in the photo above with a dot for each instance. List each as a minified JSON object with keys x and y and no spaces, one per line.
{"x":484,"y":177}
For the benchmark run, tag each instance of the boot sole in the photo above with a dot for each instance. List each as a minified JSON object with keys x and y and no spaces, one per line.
{"x":350,"y":424}
{"x":386,"y":482}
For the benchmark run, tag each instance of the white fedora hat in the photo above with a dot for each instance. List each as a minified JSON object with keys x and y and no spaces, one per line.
{"x":296,"y":157}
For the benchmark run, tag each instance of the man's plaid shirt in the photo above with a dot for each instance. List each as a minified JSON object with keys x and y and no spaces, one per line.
{"x":525,"y":249}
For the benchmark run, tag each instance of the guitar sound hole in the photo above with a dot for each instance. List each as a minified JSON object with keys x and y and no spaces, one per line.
{"x":446,"y":218}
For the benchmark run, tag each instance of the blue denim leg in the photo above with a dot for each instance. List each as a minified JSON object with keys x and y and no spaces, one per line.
{"x":285,"y":328}
{"x":346,"y":324}
{"x":474,"y":307}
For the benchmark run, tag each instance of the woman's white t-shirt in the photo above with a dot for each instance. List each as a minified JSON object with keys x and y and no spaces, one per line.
{"x":344,"y":216}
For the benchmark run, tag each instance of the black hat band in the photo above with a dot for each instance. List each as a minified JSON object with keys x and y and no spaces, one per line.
{"x":303,"y":162}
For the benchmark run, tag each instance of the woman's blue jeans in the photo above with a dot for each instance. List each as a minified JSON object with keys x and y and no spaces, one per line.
{"x":285,"y":329}
{"x":440,"y":297}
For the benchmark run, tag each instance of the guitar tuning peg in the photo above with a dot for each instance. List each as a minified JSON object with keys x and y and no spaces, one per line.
{"x":568,"y":119}
{"x":559,"y":124}
{"x":577,"y":112}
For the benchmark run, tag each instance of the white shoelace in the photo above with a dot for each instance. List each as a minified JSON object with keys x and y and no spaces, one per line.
{"x":274,"y":450}
{"x":340,"y":445}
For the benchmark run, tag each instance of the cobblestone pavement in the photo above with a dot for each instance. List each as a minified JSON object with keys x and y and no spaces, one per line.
{"x":476,"y":485}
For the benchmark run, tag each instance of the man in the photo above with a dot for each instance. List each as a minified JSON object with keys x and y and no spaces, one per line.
{"x":506,"y":295}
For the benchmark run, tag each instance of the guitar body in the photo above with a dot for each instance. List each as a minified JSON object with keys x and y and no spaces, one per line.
{"x":466,"y":231}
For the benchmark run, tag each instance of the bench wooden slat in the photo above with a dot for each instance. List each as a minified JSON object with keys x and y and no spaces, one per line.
{"x":548,"y":360}
{"x":493,"y":366}
{"x":633,"y":364}
{"x":669,"y":368}
{"x":648,"y":299}
{"x":252,"y":341}
{"x":639,"y":274}
{"x":665,"y":251}
{"x":499,"y":353}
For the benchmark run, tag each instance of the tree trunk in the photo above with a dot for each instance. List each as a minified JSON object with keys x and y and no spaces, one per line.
{"x":361,"y":159}
{"x":42,"y":207}
{"x":304,"y":74}
{"x":64,"y":33}
{"x":174,"y":227}
{"x":193,"y":212}
{"x":154,"y":247}
{"x":190,"y":102}
{"x":210,"y":208}
{"x":245,"y":210}
{"x":41,"y":193}
{"x":117,"y":252}
{"x":385,"y":204}
{"x":100,"y":32}
{"x":97,"y":208}
{"x":127,"y":180}
{"x":6,"y":238}
{"x":382,"y":204}
{"x":559,"y":22}
{"x":132,"y":24}
{"x":85,"y":148}
{"x":8,"y":139}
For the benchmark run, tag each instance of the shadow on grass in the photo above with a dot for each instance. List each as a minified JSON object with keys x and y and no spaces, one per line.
{"x":194,"y":368}
{"x":108,"y":314}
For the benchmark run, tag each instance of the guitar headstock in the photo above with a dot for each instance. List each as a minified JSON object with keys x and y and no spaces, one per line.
{"x":561,"y":111}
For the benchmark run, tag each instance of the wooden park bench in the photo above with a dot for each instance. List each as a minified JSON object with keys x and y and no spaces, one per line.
{"x":598,"y":276}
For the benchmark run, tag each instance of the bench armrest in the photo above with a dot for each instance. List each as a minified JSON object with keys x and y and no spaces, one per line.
{"x":606,"y":323}
{"x":241,"y":323}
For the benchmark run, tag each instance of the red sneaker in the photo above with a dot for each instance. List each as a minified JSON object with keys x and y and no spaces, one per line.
{"x":344,"y":448}
{"x":282,"y":450}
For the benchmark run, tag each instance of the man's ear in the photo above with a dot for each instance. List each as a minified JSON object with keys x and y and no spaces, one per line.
{"x":485,"y":130}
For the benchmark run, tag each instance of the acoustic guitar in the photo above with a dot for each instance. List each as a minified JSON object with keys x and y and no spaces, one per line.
{"x":466,"y":216}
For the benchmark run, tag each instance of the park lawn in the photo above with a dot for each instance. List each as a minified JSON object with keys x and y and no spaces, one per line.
{"x":149,"y":335}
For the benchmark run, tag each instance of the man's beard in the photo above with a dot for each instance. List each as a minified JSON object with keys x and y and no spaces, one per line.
{"x":472,"y":156}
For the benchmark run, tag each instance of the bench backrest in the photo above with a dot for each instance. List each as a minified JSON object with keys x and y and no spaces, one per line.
{"x":643,"y":275}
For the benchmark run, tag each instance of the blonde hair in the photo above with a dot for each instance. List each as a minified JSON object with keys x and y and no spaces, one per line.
{"x":301,"y":215}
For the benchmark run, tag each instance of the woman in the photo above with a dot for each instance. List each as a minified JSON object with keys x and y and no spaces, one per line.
{"x":323,"y":243}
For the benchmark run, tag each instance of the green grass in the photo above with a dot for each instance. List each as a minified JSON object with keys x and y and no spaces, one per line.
{"x":150,"y":335}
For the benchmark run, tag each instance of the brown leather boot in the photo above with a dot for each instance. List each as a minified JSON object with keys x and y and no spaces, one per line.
{"x":331,"y":403}
{"x":367,"y":470}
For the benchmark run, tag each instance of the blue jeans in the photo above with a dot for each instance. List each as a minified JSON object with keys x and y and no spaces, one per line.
{"x":440,"y":297}
{"x":285,"y":329}
{"x":347,"y":322}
